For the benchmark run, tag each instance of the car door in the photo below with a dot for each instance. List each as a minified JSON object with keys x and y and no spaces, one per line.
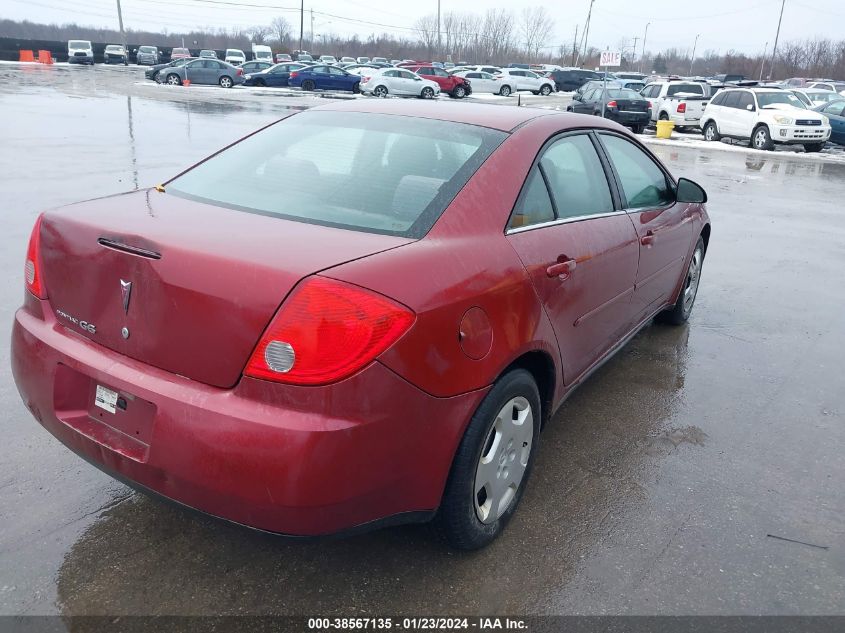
{"x":532,"y":80}
{"x":745,"y":114}
{"x":278,"y":75}
{"x":320,"y":76}
{"x":579,"y":249}
{"x":442,"y":79}
{"x":835,"y":112}
{"x":411,"y":83}
{"x":485,"y":82}
{"x":582,"y":105}
{"x":390,"y":78}
{"x":727,"y":120}
{"x":663,"y":227}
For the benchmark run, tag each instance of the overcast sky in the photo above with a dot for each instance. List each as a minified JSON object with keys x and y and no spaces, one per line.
{"x":743,"y":25}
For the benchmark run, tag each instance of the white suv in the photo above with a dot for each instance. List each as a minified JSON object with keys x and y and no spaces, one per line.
{"x":527,"y":80}
{"x":764,"y":117}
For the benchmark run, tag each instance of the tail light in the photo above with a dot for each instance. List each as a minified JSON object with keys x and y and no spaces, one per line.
{"x":32,"y":268}
{"x":365,"y":79}
{"x":650,"y":105}
{"x":293,"y":74}
{"x":682,"y":107}
{"x":612,"y":104}
{"x":240,"y":71}
{"x":325,"y":331}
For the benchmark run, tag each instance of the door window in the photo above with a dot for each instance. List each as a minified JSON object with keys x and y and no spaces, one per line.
{"x":404,"y":74}
{"x":576,"y":178}
{"x":439,"y":72}
{"x":425,"y":71}
{"x":746,"y":99}
{"x":731,"y":99}
{"x":534,"y":205}
{"x":642,"y":181}
{"x":335,"y":71}
{"x":718,"y":99}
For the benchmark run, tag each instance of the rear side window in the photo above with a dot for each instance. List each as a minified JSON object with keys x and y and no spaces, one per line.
{"x":718,"y":99}
{"x":643,"y":183}
{"x":534,"y":206}
{"x":576,"y":178}
{"x":369,"y":172}
{"x":731,"y":99}
{"x":835,"y":108}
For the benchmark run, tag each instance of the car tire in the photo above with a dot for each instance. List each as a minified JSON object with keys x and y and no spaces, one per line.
{"x":761,"y":138}
{"x":711,"y":132}
{"x":505,"y":91}
{"x":459,"y":92}
{"x":173,"y":80}
{"x":546,"y":90}
{"x":638,"y":129}
{"x":380,"y":91}
{"x":427,"y":93}
{"x":308,"y":85}
{"x":356,"y":87}
{"x":664,"y":116}
{"x":500,"y":442}
{"x":260,"y":83}
{"x":225,"y":82}
{"x":813,"y":147}
{"x":679,"y":313}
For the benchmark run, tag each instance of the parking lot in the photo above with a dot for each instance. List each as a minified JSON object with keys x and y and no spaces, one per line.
{"x":700,"y":471}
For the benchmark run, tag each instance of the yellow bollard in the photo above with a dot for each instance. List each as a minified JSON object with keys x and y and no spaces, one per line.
{"x":664,"y":129}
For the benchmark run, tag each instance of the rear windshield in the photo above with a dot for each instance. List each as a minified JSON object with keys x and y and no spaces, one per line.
{"x":147,"y":49}
{"x":624,"y":93}
{"x":180,"y":51}
{"x":695,"y":89}
{"x":368,"y":172}
{"x":771,"y":98}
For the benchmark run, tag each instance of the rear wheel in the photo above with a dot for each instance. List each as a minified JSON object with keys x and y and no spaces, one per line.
{"x":173,"y":80}
{"x":505,"y":91}
{"x":762,"y":139}
{"x":380,"y":91}
{"x":459,"y":92}
{"x":226,"y":82}
{"x":546,"y":90}
{"x":680,"y":312}
{"x":427,"y":93}
{"x":813,"y":147}
{"x":492,"y":463}
{"x":308,"y":85}
{"x":711,"y":133}
{"x":260,"y":83}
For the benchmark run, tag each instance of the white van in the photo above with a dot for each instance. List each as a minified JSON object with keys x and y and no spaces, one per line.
{"x":80,"y":52}
{"x":234,"y":56}
{"x":261,"y":53}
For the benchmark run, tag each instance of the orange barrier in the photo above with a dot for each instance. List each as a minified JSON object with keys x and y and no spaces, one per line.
{"x":186,"y":83}
{"x":45,"y":57}
{"x":27,"y":56}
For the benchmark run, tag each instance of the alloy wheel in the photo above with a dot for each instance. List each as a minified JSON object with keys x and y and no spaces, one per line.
{"x":693,"y":278}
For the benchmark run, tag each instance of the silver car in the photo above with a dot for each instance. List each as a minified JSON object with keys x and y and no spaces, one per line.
{"x":147,"y":56}
{"x":204,"y":71}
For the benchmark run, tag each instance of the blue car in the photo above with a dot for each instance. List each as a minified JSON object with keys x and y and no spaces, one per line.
{"x":274,"y":76}
{"x":323,"y":77}
{"x":835,"y":111}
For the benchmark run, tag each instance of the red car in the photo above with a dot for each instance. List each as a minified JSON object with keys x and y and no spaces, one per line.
{"x":266,"y":340}
{"x":456,"y":87}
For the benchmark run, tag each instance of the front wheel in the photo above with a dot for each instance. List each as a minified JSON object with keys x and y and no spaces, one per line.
{"x":308,"y":85}
{"x":680,"y":312}
{"x":762,"y":139}
{"x":380,"y":91}
{"x":505,"y":91}
{"x":226,"y":82}
{"x":427,"y":93}
{"x":173,"y":80}
{"x":260,"y":83}
{"x":813,"y":147}
{"x":459,"y":92}
{"x":492,"y":463}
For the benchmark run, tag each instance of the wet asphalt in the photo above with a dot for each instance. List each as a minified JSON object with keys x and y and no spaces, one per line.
{"x":667,"y":484}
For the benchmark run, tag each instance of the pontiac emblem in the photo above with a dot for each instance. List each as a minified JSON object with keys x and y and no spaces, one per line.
{"x":125,"y":293}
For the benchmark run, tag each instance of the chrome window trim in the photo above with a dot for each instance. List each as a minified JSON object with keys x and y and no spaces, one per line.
{"x":558,"y":221}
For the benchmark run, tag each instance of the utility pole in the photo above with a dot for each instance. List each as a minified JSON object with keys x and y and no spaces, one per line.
{"x":301,"y":22}
{"x":642,"y":57}
{"x":586,"y":33}
{"x":692,"y":61}
{"x":439,"y":44}
{"x":777,"y":35}
{"x":763,"y":62}
{"x":634,"y":57}
{"x":122,"y":35}
{"x":312,"y":29}
{"x":574,"y":45}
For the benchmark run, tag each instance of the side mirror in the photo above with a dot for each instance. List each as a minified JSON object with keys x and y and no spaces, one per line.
{"x":750,"y":107}
{"x":690,"y":192}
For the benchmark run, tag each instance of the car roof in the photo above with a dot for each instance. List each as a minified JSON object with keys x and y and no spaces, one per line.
{"x":504,"y":118}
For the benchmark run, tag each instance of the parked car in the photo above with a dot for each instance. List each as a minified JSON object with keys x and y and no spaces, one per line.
{"x":203,"y":71}
{"x":283,"y":57}
{"x":395,"y":62}
{"x":630,"y":76}
{"x":154,"y":72}
{"x":812,"y":98}
{"x":360,"y":69}
{"x":362,"y":60}
{"x":453,"y":85}
{"x":208,"y":54}
{"x":570,"y":79}
{"x":327,"y":59}
{"x":765,"y":117}
{"x":834,"y":86}
{"x":262,"y":53}
{"x":254,"y":67}
{"x":179,"y":53}
{"x":302,"y":56}
{"x":147,"y":56}
{"x":398,"y":82}
{"x":624,"y":106}
{"x":493,"y":70}
{"x":234,"y":56}
{"x":681,"y":102}
{"x":527,"y":80}
{"x":114,"y":54}
{"x":380,"y":60}
{"x":408,"y":292}
{"x":727,"y":78}
{"x":80,"y":52}
{"x":481,"y":82}
{"x":274,"y":76}
{"x":347,"y":60}
{"x":835,"y":113}
{"x":323,"y":77}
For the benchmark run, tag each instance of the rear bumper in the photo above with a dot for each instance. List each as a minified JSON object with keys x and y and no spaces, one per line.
{"x":629,"y":118}
{"x":302,"y":461}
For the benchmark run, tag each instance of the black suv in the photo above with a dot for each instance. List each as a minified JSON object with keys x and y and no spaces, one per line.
{"x":571,"y":79}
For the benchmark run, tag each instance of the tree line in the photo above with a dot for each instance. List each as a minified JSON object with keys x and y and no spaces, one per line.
{"x":497,"y":36}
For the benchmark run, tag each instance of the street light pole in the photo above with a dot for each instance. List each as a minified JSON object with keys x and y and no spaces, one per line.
{"x":122,"y":35}
{"x":763,"y":61}
{"x":301,"y":22}
{"x":439,"y":44}
{"x":777,"y":35}
{"x":692,"y":61}
{"x":645,"y":35}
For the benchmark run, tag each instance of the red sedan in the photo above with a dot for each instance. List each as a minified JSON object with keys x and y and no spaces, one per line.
{"x":269,"y":340}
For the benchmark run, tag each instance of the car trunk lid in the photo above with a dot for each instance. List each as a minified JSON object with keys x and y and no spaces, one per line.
{"x":205,"y":281}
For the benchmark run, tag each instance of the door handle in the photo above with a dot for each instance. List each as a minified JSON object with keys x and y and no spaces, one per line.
{"x":563,"y":268}
{"x":647,"y":239}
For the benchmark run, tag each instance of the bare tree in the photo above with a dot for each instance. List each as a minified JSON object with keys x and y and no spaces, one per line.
{"x":259,"y":33}
{"x":426,"y":27}
{"x":282,"y":30}
{"x":536,"y":26}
